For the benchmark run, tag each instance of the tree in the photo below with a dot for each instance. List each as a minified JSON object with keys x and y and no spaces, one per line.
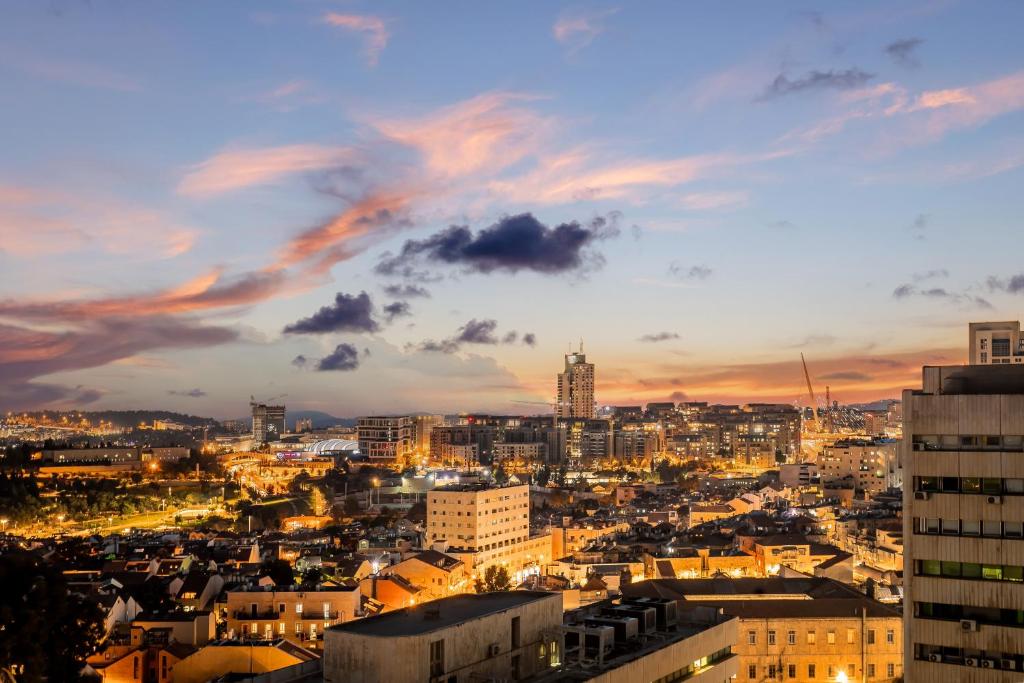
{"x":317,"y":501}
{"x":543,"y":476}
{"x":496,"y":578}
{"x":500,"y":475}
{"x":48,"y":632}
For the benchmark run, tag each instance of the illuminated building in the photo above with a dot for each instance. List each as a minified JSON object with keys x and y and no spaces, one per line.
{"x":267,"y":422}
{"x":576,"y":387}
{"x":963,"y":516}
{"x":385,"y":439}
{"x":872,"y":466}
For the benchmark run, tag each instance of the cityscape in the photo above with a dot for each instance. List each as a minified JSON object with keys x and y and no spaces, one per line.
{"x":348,"y":342}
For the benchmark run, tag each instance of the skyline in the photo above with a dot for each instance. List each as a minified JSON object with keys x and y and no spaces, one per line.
{"x":350,"y":204}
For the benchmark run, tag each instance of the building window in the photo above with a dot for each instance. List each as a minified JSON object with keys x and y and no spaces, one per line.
{"x":890,"y":636}
{"x":791,"y":637}
{"x":871,"y":636}
{"x":771,"y":637}
{"x":751,"y":637}
{"x":437,"y":658}
{"x":831,"y":641}
{"x":771,"y":671}
{"x":792,"y":671}
{"x":515,"y":632}
{"x":812,"y":671}
{"x":871,"y":670}
{"x":812,"y":636}
{"x":890,"y":670}
{"x":850,"y":635}
{"x":752,"y":671}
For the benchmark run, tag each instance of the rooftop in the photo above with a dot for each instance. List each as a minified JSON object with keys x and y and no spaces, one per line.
{"x":973,"y":379}
{"x":440,"y":614}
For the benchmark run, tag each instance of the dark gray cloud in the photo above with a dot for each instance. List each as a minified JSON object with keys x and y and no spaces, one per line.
{"x":906,"y":291}
{"x":513,"y":244}
{"x":845,"y":79}
{"x":1013,"y":284}
{"x":681,"y":272}
{"x":406,"y":291}
{"x":477,"y":332}
{"x":347,"y":314}
{"x":300,"y":361}
{"x":344,"y":357}
{"x":398,"y":309}
{"x":850,"y":376}
{"x":902,"y":51}
{"x":188,"y":393}
{"x":658,"y":337}
{"x":677,"y":396}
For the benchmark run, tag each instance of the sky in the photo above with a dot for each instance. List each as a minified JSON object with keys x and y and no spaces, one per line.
{"x":386,"y":207}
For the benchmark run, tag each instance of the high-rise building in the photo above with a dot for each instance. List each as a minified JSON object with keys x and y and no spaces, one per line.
{"x":422,"y":426}
{"x":963,"y":516}
{"x":996,"y":343}
{"x":386,"y":439}
{"x":576,"y":387}
{"x":267,"y":422}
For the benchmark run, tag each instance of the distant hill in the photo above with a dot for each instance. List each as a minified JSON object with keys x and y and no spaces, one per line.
{"x":320,"y":419}
{"x":132,"y":418}
{"x":881,"y":404}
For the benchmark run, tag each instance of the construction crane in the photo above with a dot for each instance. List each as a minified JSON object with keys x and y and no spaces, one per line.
{"x":810,"y":390}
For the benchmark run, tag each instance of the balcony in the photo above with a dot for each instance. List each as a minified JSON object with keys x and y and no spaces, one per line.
{"x":309,"y":615}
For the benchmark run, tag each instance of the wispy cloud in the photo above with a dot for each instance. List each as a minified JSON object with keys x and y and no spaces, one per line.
{"x":238,"y":168}
{"x":577,"y":28}
{"x":374,"y":30}
{"x":658,"y":337}
{"x":77,"y":72}
{"x":845,"y":79}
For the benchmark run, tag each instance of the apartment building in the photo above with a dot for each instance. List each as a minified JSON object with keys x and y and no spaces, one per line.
{"x":870,"y":465}
{"x":385,"y":439}
{"x":963,"y":515}
{"x":483,"y":525}
{"x":575,"y":387}
{"x":805,"y":630}
{"x":295,"y":613}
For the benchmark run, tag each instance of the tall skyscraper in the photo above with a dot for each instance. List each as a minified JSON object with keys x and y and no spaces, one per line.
{"x":996,"y":343}
{"x":267,"y":422}
{"x":963,"y":512}
{"x":576,"y":387}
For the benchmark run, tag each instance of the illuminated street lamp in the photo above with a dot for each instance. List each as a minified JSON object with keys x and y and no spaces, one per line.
{"x":841,"y":677}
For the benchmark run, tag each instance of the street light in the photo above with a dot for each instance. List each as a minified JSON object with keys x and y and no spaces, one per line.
{"x":841,"y":677}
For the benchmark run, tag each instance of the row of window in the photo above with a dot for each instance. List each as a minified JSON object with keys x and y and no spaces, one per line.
{"x":969,"y":442}
{"x":830,"y":636}
{"x":773,"y":671}
{"x":989,"y":528}
{"x":969,"y":570}
{"x":695,"y":667}
{"x":984,"y":486}
{"x":983,"y":615}
{"x":985,"y":659}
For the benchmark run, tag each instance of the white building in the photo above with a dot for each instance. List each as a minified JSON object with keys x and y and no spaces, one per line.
{"x":996,"y":343}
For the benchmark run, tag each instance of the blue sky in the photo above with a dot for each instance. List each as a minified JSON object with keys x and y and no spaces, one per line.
{"x":182,"y":181}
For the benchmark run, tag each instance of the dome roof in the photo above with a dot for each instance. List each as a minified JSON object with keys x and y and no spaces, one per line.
{"x":333,"y":446}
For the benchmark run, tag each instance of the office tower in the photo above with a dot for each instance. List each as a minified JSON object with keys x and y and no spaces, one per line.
{"x":963,"y":512}
{"x":267,"y":422}
{"x":385,"y":438}
{"x":996,"y":343}
{"x":576,"y":387}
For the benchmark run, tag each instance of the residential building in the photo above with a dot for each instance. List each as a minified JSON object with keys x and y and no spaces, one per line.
{"x":870,"y":465}
{"x":483,"y":525}
{"x":806,"y":630}
{"x":422,"y":427}
{"x":963,"y":515}
{"x":385,"y":439}
{"x":798,"y":474}
{"x":995,"y":343}
{"x":437,"y":575}
{"x":575,"y":394}
{"x":297,"y":613}
{"x":504,"y":635}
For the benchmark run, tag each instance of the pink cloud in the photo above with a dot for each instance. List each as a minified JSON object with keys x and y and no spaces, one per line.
{"x":578,"y":28}
{"x":374,"y":28}
{"x":235,"y":169}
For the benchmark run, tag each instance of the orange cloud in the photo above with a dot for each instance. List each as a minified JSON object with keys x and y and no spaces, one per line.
{"x":235,"y":169}
{"x":374,"y":28}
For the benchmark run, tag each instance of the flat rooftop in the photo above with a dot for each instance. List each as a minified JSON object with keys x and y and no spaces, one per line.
{"x":440,"y":614}
{"x":972,"y":379}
